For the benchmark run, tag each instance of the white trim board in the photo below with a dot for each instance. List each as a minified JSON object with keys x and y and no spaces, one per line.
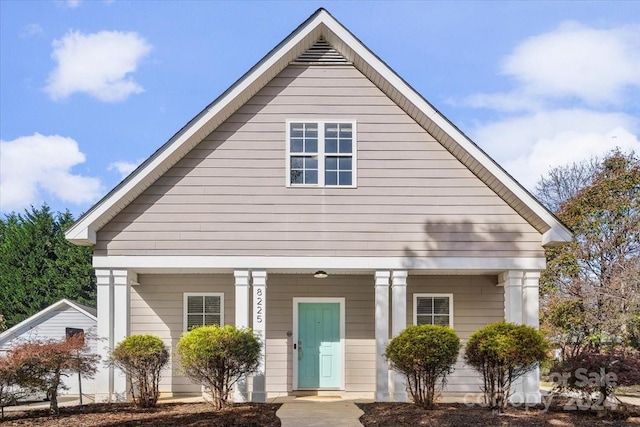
{"x":432,"y":295}
{"x":185,"y":298}
{"x":191,"y":264}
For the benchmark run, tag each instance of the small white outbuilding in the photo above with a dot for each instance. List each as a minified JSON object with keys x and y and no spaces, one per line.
{"x":56,"y":322}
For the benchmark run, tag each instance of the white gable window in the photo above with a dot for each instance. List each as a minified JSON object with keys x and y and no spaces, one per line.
{"x":433,"y":309}
{"x":202,"y":309}
{"x":321,"y":153}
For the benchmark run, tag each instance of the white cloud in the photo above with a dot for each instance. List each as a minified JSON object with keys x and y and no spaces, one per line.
{"x":72,"y":4}
{"x":576,"y":61}
{"x":33,"y":164}
{"x":528,"y":146}
{"x":99,"y":64}
{"x":32,"y":30}
{"x":510,"y":137}
{"x":568,"y":101}
{"x":124,"y":168}
{"x":573,"y":62}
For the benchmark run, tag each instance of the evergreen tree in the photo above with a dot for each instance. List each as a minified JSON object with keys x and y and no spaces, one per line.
{"x":39,"y":267}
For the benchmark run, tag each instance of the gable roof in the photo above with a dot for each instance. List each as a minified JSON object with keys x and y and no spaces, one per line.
{"x":321,"y":25}
{"x":90,"y":312}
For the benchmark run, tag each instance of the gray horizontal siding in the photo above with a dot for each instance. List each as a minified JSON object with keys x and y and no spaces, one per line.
{"x":228,"y":196}
{"x":359,"y":330}
{"x":477,"y":301}
{"x":157,"y":309}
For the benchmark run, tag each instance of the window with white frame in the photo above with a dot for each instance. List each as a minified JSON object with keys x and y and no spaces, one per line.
{"x":202,"y":309}
{"x":433,"y":309}
{"x":321,"y":153}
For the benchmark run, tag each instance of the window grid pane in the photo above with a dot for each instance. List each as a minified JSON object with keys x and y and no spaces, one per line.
{"x":433,"y":311}
{"x":337,"y":170}
{"x":338,"y":138}
{"x":203,"y":310}
{"x":303,"y":138}
{"x":304,"y":170}
{"x":307,"y":160}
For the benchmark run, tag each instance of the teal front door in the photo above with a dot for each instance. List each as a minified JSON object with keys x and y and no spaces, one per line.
{"x":319,"y":353}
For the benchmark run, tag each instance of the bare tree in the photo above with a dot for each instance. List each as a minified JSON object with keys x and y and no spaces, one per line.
{"x":565,"y":182}
{"x":591,"y":287}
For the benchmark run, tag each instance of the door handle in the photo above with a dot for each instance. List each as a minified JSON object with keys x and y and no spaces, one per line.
{"x":299,"y":350}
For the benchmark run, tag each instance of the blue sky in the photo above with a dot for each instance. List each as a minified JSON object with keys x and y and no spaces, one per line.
{"x":89,"y":89}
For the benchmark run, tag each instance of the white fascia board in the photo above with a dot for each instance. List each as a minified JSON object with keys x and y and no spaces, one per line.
{"x":561,"y":233}
{"x":83,"y":233}
{"x":80,"y":309}
{"x":82,"y":236}
{"x":346,"y":264}
{"x":556,"y":236}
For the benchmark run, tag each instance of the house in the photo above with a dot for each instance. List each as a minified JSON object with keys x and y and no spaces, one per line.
{"x":56,"y":322}
{"x":320,"y":159}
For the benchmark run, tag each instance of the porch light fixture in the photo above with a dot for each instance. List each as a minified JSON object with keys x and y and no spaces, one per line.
{"x":320,"y":274}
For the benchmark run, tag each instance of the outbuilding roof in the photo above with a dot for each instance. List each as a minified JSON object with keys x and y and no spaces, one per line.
{"x":90,"y":312}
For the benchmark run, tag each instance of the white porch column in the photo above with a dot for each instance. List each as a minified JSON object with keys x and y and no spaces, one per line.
{"x":382,"y":334}
{"x":259,"y":393}
{"x":122,"y":312}
{"x":512,"y":282}
{"x":241,"y":393}
{"x":104,"y":375}
{"x":398,"y":323}
{"x":531,"y":310}
{"x":113,"y":289}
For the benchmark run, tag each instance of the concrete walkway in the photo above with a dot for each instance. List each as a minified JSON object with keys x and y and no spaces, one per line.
{"x":317,"y":413}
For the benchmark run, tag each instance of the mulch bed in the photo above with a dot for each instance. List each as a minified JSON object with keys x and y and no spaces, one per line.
{"x":166,"y":414}
{"x":458,"y":415}
{"x":264,"y":415}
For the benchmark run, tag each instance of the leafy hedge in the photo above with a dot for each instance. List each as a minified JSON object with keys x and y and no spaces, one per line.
{"x":425,"y":354}
{"x":503,"y":352}
{"x":142,"y":358}
{"x":217,"y":357}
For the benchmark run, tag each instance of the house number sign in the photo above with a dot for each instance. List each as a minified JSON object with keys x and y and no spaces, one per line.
{"x":259,"y":305}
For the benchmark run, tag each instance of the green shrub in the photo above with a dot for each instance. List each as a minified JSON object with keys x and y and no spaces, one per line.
{"x":142,"y":358}
{"x":217,"y":357}
{"x":503,"y":352}
{"x":425,"y":354}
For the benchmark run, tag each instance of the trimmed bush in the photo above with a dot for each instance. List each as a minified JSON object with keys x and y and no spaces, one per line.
{"x":142,"y":358}
{"x":503,"y":352}
{"x":217,"y":357}
{"x":425,"y":354}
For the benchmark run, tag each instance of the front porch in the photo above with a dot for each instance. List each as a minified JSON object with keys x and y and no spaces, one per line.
{"x":375,"y":305}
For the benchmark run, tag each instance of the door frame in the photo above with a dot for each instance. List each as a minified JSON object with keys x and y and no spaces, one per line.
{"x":294,"y":353}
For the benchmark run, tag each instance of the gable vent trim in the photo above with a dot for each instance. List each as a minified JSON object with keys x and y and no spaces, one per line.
{"x":321,"y":53}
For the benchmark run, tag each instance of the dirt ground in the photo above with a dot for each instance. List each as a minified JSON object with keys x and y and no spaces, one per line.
{"x":166,"y":414}
{"x":458,"y":415}
{"x":264,"y":415}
